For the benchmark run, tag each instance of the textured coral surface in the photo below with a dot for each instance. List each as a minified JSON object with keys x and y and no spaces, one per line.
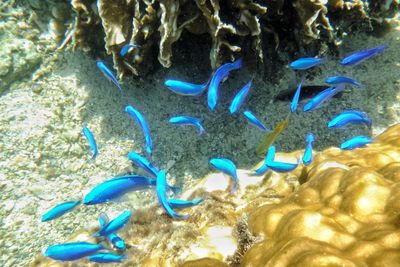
{"x":228,"y":29}
{"x":345,"y":213}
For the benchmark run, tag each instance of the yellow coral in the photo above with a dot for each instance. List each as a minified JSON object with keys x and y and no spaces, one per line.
{"x":346,"y":214}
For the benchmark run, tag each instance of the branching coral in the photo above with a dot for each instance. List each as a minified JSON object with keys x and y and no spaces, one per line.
{"x":234,"y":27}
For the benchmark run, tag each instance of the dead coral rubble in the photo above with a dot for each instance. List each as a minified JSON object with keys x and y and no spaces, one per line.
{"x":232,"y":26}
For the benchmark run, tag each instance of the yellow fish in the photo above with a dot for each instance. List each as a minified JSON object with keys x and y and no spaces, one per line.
{"x":270,"y":137}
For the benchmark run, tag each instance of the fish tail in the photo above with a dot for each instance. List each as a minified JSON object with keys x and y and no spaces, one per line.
{"x":201,"y":130}
{"x":234,"y":187}
{"x":310,"y":138}
{"x":176,"y":190}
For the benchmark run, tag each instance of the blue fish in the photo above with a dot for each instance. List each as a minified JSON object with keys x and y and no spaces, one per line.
{"x":269,"y":157}
{"x":342,"y":79}
{"x":185,"y":88}
{"x":60,"y":210}
{"x":295,"y":101}
{"x":306,"y":63}
{"x":143,"y":163}
{"x":282,"y":166}
{"x":116,"y":187}
{"x":182,"y":204}
{"x":108,"y":73}
{"x":106,"y":257}
{"x":92,"y":142}
{"x":161,"y":186}
{"x":355,"y":142}
{"x":359,"y":56}
{"x":253,"y":120}
{"x":116,"y":241}
{"x":114,"y":225}
{"x":350,"y":116}
{"x":239,"y":98}
{"x":143,"y":123}
{"x":220,"y":74}
{"x":276,"y":165}
{"x":323,"y":96}
{"x":307,"y":156}
{"x":125,"y":49}
{"x":147,"y":166}
{"x":226,"y":166}
{"x":72,"y":251}
{"x":185,"y":120}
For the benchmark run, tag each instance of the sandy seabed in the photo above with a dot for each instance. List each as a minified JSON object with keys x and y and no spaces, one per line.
{"x":45,"y":159}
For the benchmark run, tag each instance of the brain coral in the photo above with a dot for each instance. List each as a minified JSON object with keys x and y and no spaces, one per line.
{"x":345,"y":213}
{"x":242,"y":27}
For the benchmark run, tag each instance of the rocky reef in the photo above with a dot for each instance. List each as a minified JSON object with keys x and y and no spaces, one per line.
{"x":255,"y":29}
{"x":342,"y":210}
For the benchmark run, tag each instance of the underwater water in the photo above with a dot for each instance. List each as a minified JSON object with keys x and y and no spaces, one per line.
{"x":49,"y":95}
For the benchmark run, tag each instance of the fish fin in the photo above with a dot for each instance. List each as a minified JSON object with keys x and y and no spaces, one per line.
{"x":176,"y":190}
{"x":103,"y":219}
{"x":201,"y":130}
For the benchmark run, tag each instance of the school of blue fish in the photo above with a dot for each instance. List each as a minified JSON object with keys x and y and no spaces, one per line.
{"x":112,"y":246}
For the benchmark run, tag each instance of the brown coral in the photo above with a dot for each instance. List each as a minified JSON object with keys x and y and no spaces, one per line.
{"x":234,"y":27}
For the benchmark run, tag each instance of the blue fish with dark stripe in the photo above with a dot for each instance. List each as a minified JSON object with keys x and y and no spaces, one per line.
{"x":254,"y":120}
{"x":323,"y":96}
{"x":72,"y":251}
{"x":92,"y":142}
{"x":349,"y":117}
{"x":226,"y":166}
{"x":116,"y":187}
{"x":108,"y":73}
{"x":139,"y":118}
{"x":161,"y":187}
{"x":185,"y":88}
{"x":306,"y":63}
{"x":219,"y":75}
{"x":186,"y":120}
{"x":356,"y":142}
{"x":239,"y":98}
{"x":359,"y":56}
{"x":60,"y":210}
